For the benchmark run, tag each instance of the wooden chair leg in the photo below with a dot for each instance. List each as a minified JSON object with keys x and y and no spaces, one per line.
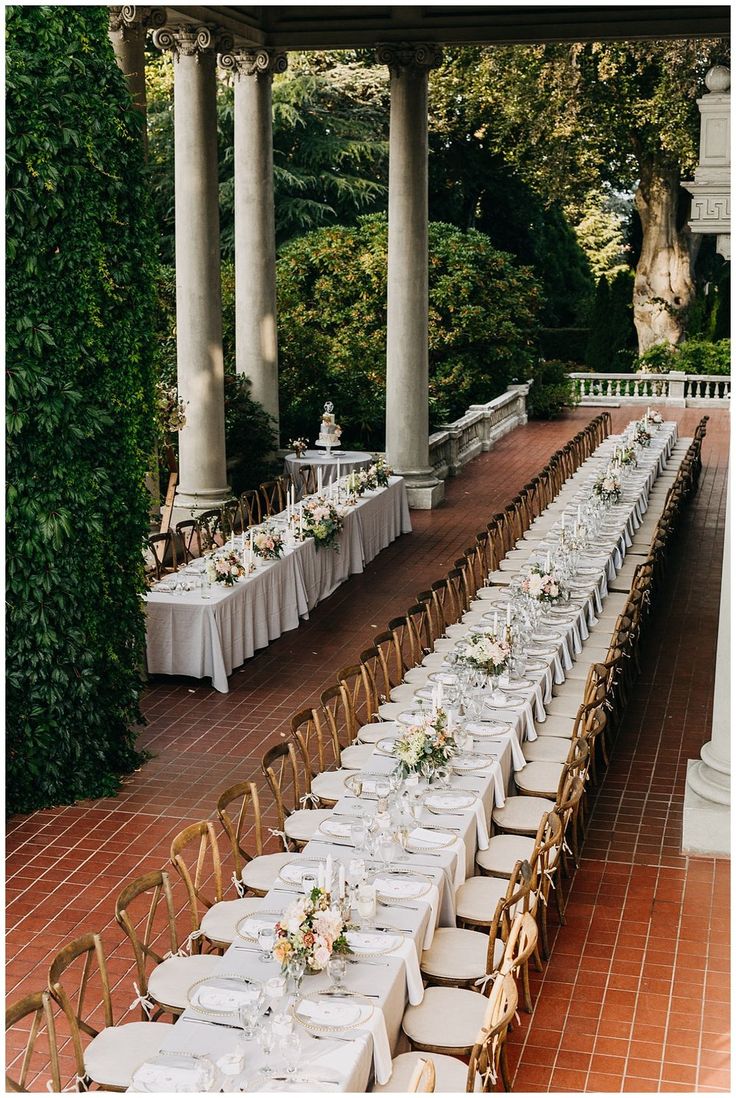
{"x":528,"y":1006}
{"x":504,"y":1066}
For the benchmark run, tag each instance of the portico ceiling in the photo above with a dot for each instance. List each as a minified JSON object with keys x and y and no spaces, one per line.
{"x":307,"y":27}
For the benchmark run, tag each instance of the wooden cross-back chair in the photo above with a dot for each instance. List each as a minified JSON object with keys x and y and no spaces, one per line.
{"x":409,"y":644}
{"x":391,"y":667}
{"x":316,"y":739}
{"x":189,"y":535}
{"x":289,"y":782}
{"x":308,"y":478}
{"x":250,"y":505}
{"x":239,"y":810}
{"x":163,"y":550}
{"x":40,"y":1051}
{"x":211,"y":534}
{"x":272,"y":497}
{"x":107,"y":1062}
{"x":146,"y":913}
{"x":359,"y":693}
{"x":487,"y":1058}
{"x":231,"y":518}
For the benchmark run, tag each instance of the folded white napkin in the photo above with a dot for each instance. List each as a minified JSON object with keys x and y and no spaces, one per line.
{"x":294,"y":873}
{"x":369,"y":943}
{"x":428,"y":838}
{"x":331,"y":826}
{"x":389,"y":886}
{"x":169,"y":1078}
{"x":227,"y":1000}
{"x":337,"y":1012}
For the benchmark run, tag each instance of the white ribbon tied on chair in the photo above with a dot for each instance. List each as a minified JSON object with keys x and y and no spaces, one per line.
{"x":143,"y":1001}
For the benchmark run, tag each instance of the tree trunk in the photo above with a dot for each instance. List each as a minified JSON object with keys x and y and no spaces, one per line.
{"x":664,"y":285}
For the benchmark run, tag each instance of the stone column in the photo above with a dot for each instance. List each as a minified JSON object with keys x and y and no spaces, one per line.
{"x":407,"y":385}
{"x":706,"y":826}
{"x":128,"y":26}
{"x":200,"y":369}
{"x":256,"y":349}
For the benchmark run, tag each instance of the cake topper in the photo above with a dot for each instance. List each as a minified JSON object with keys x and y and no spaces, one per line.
{"x":329,"y":406}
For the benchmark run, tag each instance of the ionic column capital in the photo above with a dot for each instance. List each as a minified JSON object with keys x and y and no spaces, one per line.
{"x":192,"y":40}
{"x":418,"y":56}
{"x":129,"y":20}
{"x":259,"y":62}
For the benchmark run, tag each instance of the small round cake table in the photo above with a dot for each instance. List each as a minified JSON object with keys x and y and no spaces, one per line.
{"x":349,"y":460}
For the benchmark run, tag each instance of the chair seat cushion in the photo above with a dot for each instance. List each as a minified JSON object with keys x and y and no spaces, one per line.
{"x":451,"y":1074}
{"x":499,"y":578}
{"x":546,"y":749}
{"x":261,"y":872}
{"x":389,"y":711}
{"x":418,"y":676}
{"x":403,"y":693}
{"x":458,"y":954}
{"x":560,"y":727}
{"x":476,"y":899}
{"x":329,"y":785}
{"x":372,"y":733}
{"x":522,"y":814}
{"x":447,"y":1018}
{"x":503,"y":852}
{"x":170,"y":981}
{"x":357,"y":755}
{"x":567,"y":703}
{"x":115,"y":1054}
{"x":219,"y":922}
{"x":539,"y":777}
{"x":303,"y":823}
{"x":433,"y":661}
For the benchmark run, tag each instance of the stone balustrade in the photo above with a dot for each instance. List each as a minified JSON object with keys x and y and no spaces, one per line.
{"x":684,"y":390}
{"x":455,"y":444}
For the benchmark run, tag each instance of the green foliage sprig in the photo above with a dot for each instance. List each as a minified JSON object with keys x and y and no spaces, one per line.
{"x":80,"y":272}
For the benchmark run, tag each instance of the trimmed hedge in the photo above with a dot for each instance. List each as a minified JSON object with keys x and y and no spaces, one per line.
{"x":80,"y":275}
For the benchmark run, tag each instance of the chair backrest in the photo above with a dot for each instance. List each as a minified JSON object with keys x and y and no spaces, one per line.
{"x":250,"y":503}
{"x":195,"y":854}
{"x":390,"y":661}
{"x":423,"y":1078}
{"x":281,"y":769}
{"x":151,"y":924}
{"x":360,"y":697}
{"x":308,"y":478}
{"x":87,"y":1008}
{"x":485,"y":1057}
{"x":271,"y":497}
{"x":458,"y":592}
{"x":283,"y":484}
{"x":210,"y":529}
{"x":163,"y":548}
{"x":231,"y":518}
{"x":188,"y":533}
{"x":338,"y":714}
{"x":40,"y":1051}
{"x":516,"y":898}
{"x":316,"y":739}
{"x":239,"y":809}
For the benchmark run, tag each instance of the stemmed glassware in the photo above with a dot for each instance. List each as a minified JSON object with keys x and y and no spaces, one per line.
{"x":250,"y":1011}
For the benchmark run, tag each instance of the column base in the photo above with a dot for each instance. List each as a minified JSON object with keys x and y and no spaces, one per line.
{"x":706,"y":823}
{"x":190,"y":504}
{"x":423,"y":489}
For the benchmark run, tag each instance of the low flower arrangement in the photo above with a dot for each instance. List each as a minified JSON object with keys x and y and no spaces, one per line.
{"x":381,"y":471}
{"x":425,"y":747}
{"x":225,"y":568}
{"x":608,"y":488}
{"x":268,"y":543}
{"x":641,"y":435}
{"x":542,"y":585}
{"x":299,"y":446}
{"x":358,"y":482}
{"x":486,"y":652}
{"x":170,"y":409}
{"x":656,"y":418}
{"x":311,"y":929}
{"x":322,"y":521}
{"x":627,"y":456}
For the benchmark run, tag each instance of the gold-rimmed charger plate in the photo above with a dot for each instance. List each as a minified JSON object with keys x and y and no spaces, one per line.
{"x":420,"y":846}
{"x":455,"y":800}
{"x":408,"y":875}
{"x":468,"y":764}
{"x":390,"y":944}
{"x":341,"y":1009}
{"x":305,"y":864}
{"x":387,"y":745}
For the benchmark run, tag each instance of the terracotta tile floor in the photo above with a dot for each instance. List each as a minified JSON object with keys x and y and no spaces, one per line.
{"x":635,"y":996}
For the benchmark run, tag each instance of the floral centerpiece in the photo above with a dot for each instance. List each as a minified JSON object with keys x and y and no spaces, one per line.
{"x":486,"y":652}
{"x":425,"y":747}
{"x":381,"y":471}
{"x":267,"y":543}
{"x":655,"y":417}
{"x":299,"y":446}
{"x":170,"y":409}
{"x":641,"y":435}
{"x":627,"y":456}
{"x":312,"y":930}
{"x":542,"y":584}
{"x":357,"y":482}
{"x":608,"y":487}
{"x":225,"y":568}
{"x":321,"y":520}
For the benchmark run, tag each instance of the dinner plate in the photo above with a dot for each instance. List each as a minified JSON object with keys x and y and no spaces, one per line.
{"x":478,"y":729}
{"x":506,"y":703}
{"x":407,"y":884}
{"x":432,"y":840}
{"x":319,"y":1013}
{"x":176,"y":1073}
{"x":450,"y":800}
{"x":336,"y":829}
{"x":468,"y":764}
{"x":376,"y":944}
{"x":220,"y":995}
{"x":410,"y":717}
{"x":387,"y":746}
{"x":293,"y":872}
{"x":248,"y":927}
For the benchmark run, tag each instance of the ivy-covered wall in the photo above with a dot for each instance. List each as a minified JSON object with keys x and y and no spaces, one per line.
{"x":80,"y":275}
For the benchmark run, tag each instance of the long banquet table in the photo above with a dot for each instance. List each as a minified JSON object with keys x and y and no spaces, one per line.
{"x":348,"y":1061}
{"x":208,"y":638}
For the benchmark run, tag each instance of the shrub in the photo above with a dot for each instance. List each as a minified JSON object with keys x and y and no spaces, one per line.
{"x":79,"y":407}
{"x":694,"y":356}
{"x":551,"y":389}
{"x":612,"y":343}
{"x":332,"y":326}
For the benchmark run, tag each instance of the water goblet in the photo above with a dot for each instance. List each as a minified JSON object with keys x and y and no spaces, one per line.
{"x":274,"y":991}
{"x":337,"y":967}
{"x":267,"y":1040}
{"x":358,"y":834}
{"x":266,"y":940}
{"x":295,"y":968}
{"x":290,"y":1049}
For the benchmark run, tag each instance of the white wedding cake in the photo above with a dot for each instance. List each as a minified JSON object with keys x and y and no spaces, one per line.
{"x":329,"y":432}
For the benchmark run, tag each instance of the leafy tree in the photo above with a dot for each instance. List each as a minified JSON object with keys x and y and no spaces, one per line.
{"x":573,"y":117}
{"x":79,"y":407}
{"x":612,"y":342}
{"x":332,"y":325}
{"x":600,"y":233}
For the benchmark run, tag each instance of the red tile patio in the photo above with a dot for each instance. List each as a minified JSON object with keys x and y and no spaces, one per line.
{"x":636,"y":994}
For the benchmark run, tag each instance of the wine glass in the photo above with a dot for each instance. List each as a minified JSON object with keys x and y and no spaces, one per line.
{"x":337,"y":967}
{"x":267,"y":1041}
{"x":250,"y":1011}
{"x":290,"y":1049}
{"x":266,"y":941}
{"x":295,"y":968}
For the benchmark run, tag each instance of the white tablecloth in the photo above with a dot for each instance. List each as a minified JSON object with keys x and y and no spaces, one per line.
{"x":349,"y":460}
{"x":208,"y":638}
